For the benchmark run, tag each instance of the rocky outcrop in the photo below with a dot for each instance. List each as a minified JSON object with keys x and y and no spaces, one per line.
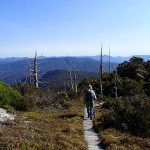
{"x":4,"y":116}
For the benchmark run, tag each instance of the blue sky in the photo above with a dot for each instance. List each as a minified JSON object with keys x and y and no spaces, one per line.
{"x":74,"y":27}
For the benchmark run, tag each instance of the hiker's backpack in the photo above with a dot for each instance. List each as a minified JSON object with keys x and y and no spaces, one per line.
{"x":89,"y":95}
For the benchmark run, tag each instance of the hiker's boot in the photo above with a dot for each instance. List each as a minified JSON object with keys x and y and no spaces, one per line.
{"x":91,"y":117}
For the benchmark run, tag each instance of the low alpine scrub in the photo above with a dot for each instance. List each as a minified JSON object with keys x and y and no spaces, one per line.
{"x":130,"y":114}
{"x":36,"y":97}
{"x":114,"y":131}
{"x":49,"y":129}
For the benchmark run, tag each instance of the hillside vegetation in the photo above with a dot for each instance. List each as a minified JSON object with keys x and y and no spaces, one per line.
{"x":43,"y":120}
{"x":124,"y":122}
{"x":53,"y":119}
{"x":45,"y":129}
{"x":55,"y":79}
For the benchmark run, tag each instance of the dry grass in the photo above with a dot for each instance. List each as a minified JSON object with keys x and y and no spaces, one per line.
{"x":46,"y":129}
{"x":114,"y":139}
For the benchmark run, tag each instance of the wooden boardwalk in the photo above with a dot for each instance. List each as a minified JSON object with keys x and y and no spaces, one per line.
{"x":91,"y":137}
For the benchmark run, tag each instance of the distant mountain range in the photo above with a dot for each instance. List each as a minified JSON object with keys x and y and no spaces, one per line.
{"x":11,"y":59}
{"x":14,"y":69}
{"x":118,"y":59}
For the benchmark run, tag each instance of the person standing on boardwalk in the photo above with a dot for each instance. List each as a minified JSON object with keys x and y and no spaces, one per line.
{"x":89,"y":99}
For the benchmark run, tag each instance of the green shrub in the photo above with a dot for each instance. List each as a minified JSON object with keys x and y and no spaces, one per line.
{"x":29,"y":89}
{"x":131,"y":87}
{"x":11,"y":99}
{"x":108,"y":120}
{"x":138,"y":115}
{"x":8,"y":95}
{"x":24,"y":103}
{"x":71,"y":94}
{"x":63,"y":99}
{"x":130,"y":114}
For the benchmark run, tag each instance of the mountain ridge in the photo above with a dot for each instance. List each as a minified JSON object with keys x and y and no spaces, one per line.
{"x":16,"y":69}
{"x":117,"y":59}
{"x":9,"y":72}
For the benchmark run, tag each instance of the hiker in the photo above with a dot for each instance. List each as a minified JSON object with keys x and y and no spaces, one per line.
{"x":89,"y":99}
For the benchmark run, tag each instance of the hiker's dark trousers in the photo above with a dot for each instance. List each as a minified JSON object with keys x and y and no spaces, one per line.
{"x":89,"y":106}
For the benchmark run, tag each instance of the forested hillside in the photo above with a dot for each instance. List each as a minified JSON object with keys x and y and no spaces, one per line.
{"x":17,"y":70}
{"x":59,"y":79}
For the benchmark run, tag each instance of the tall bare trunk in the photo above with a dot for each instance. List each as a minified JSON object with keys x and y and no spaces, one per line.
{"x":35,"y":71}
{"x":101,"y":73}
{"x":71,"y":81}
{"x":65,"y":86}
{"x":75,"y":77}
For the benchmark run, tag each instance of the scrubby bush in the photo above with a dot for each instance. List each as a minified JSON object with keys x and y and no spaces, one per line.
{"x":131,"y":87}
{"x":71,"y":93}
{"x":12,"y":100}
{"x":130,"y":114}
{"x":28,"y":89}
{"x":33,"y":96}
{"x":8,"y":95}
{"x":63,"y":99}
{"x":42,"y":99}
{"x":24,"y":103}
{"x":138,"y":115}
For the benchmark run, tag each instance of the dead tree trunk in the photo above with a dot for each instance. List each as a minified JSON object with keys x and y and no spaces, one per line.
{"x":75,"y":78}
{"x":71,"y":81}
{"x":101,"y":73}
{"x":35,"y":71}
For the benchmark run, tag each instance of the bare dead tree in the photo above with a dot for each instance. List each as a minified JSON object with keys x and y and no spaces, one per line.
{"x":101,"y":73}
{"x":116,"y":92}
{"x":16,"y":83}
{"x":71,"y":81}
{"x":75,"y":77}
{"x":35,"y":71}
{"x":68,"y":84}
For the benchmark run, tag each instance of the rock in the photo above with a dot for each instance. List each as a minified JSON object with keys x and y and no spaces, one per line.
{"x":4,"y":116}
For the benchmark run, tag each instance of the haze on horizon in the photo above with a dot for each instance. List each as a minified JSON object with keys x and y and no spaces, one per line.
{"x":74,"y":28}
